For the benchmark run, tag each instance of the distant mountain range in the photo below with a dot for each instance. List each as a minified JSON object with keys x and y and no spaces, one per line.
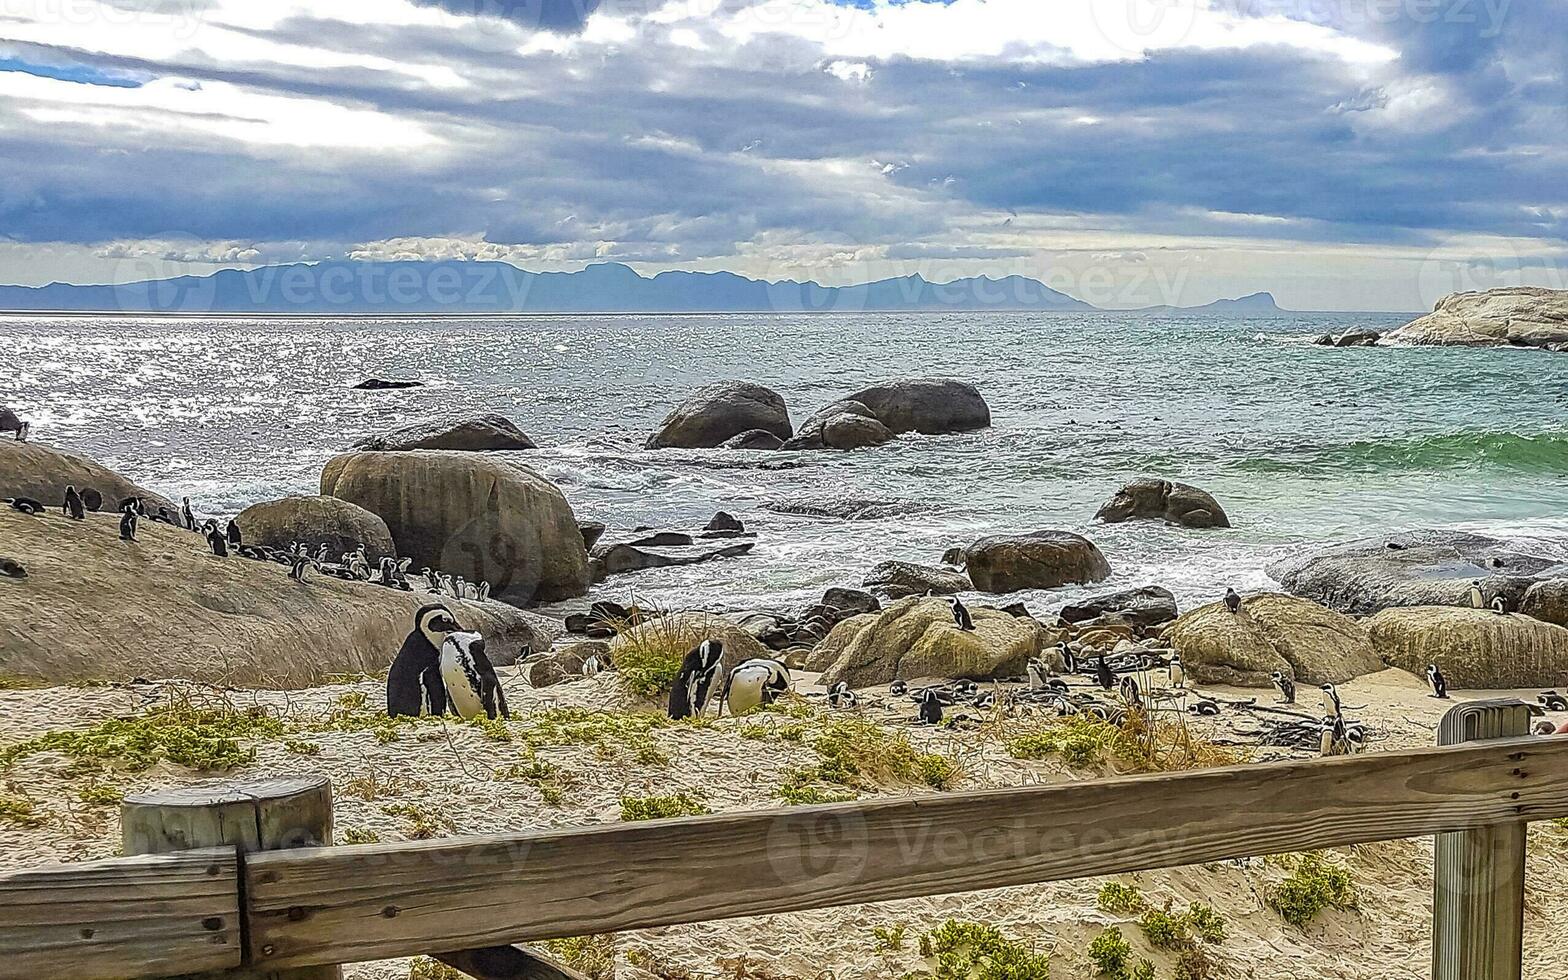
{"x":458,"y":287}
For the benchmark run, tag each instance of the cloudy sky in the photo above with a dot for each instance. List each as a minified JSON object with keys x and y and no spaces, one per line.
{"x":1344,"y":154}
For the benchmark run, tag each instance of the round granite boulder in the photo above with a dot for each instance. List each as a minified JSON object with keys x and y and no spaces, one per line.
{"x":1476,"y":648}
{"x":719,"y":412}
{"x":478,"y":433}
{"x":1042,"y":560}
{"x":1300,"y":638}
{"x":897,"y":579}
{"x":916,"y":637}
{"x":1163,"y":500}
{"x":314,"y":521}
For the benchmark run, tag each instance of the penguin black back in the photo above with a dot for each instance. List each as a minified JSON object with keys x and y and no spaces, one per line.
{"x":127,"y":522}
{"x":689,"y":695}
{"x":930,"y":707}
{"x":73,"y":506}
{"x":234,"y":537}
{"x":1103,"y":675}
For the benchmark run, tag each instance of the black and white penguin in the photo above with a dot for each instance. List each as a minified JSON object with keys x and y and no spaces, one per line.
{"x":1039,"y":674}
{"x":591,"y":666}
{"x":1103,"y":675}
{"x":1069,"y":659}
{"x":1353,"y":737}
{"x":1331,"y":704}
{"x":930,"y":707}
{"x":1552,"y":701}
{"x":1285,"y":686}
{"x":430,"y":579}
{"x":1475,"y":596}
{"x":1232,"y":600}
{"x":967,"y":689}
{"x":754,"y":683}
{"x":216,"y":540}
{"x":127,"y":522}
{"x":73,"y":506}
{"x":136,"y":502}
{"x":1178,"y":673}
{"x":961,"y":615}
{"x":11,"y":568}
{"x":299,"y":565}
{"x":690,"y":694}
{"x":471,"y":684}
{"x":414,"y":684}
{"x":187,"y":516}
{"x":1328,"y":735}
{"x":1130,"y":691}
{"x":1435,"y":679}
{"x":321,"y":554}
{"x":898,"y":689}
{"x":1499,"y":605}
{"x":235,"y":537}
{"x":26,"y":505}
{"x":1204,"y":707}
{"x":842,"y":697}
{"x":985,"y":701}
{"x":484,"y":592}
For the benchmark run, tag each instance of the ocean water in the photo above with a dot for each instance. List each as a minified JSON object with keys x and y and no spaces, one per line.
{"x":1303,"y":445}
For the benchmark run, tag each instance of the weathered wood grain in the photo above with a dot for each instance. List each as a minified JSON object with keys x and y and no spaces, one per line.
{"x":1478,"y":881}
{"x":345,"y":905}
{"x":145,"y":916}
{"x":508,"y":963}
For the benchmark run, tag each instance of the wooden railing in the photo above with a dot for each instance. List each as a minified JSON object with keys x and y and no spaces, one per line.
{"x":307,"y":908}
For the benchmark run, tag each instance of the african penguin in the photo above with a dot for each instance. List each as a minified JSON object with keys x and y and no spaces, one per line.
{"x":471,"y":685}
{"x":591,"y":666}
{"x":1476,"y":597}
{"x":1500,"y":605}
{"x":1435,"y":679}
{"x":235,"y":539}
{"x":11,"y":568}
{"x":216,"y":541}
{"x":1353,"y":737}
{"x":1129,"y":690}
{"x":690,"y":694}
{"x":754,"y":683}
{"x":298,"y":565}
{"x":321,"y":554}
{"x":1069,"y":661}
{"x":1038,"y":673}
{"x":1232,"y":600}
{"x":1178,"y":673}
{"x":187,"y":516}
{"x":961,"y":615}
{"x":842,"y":697}
{"x":414,"y":684}
{"x":430,"y":579}
{"x":1331,"y":702}
{"x":1328,"y":740}
{"x":1285,"y":686}
{"x":1103,"y":675}
{"x":484,"y":592}
{"x":930,"y":707}
{"x":986,"y":701}
{"x":1552,"y":701}
{"x":127,"y":522}
{"x":898,"y":689}
{"x":26,"y":505}
{"x":73,"y":507}
{"x":1204,"y":707}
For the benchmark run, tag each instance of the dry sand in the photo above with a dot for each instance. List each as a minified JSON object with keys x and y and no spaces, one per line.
{"x":446,"y":771}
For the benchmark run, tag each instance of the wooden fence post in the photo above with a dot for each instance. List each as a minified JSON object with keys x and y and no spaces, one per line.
{"x":1478,"y":890}
{"x":254,"y":815}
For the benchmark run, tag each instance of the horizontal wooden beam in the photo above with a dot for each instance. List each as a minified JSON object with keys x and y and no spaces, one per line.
{"x":344,"y":905}
{"x":155,"y":915}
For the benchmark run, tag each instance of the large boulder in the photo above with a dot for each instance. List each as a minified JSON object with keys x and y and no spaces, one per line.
{"x":1521,"y":316}
{"x":314,"y":521}
{"x":1271,"y":632}
{"x":916,"y":637}
{"x":1547,"y":601}
{"x":31,"y":469}
{"x":842,"y":425}
{"x":1147,"y":606}
{"x":719,"y":412}
{"x":1412,"y":568}
{"x":1475,"y":648}
{"x":1041,"y":560}
{"x":897,"y":579}
{"x":485,"y":518}
{"x":477,"y":433}
{"x":930,"y":405}
{"x":1163,"y":500}
{"x":166,"y":607}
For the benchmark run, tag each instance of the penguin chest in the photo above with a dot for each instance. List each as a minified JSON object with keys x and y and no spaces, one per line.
{"x":745,"y":694}
{"x":462,"y":683}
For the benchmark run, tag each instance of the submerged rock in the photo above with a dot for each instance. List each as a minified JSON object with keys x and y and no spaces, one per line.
{"x":724,"y":521}
{"x":1144,"y":607}
{"x":1358,"y":338}
{"x":1163,"y":500}
{"x":875,"y":415}
{"x":1521,"y":316}
{"x":592,"y":531}
{"x":1271,"y":632}
{"x":382,"y":384}
{"x":916,"y":637}
{"x":842,"y":425}
{"x":897,"y":579}
{"x":1476,"y":648}
{"x":1411,"y":568}
{"x":1042,"y":560}
{"x":315,"y":521}
{"x":485,"y":518}
{"x":479,"y":433}
{"x":617,"y":559}
{"x":754,"y":439}
{"x":719,"y":412}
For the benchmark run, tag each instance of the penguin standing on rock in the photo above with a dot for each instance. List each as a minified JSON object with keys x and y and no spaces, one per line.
{"x":187,"y":516}
{"x":1500,"y":605}
{"x":73,"y":506}
{"x":1069,"y":661}
{"x":128,"y":522}
{"x":1285,"y":686}
{"x":690,"y":694}
{"x":471,"y":684}
{"x":1476,"y":597}
{"x":1232,"y":600}
{"x":1439,"y":684}
{"x":216,"y":540}
{"x":961,"y":615}
{"x":235,"y":539}
{"x":414,"y":684}
{"x":299,"y":564}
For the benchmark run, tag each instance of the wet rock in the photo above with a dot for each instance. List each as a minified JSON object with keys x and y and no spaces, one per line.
{"x":1358,"y":338}
{"x":1476,"y":648}
{"x":618,"y":559}
{"x":723,"y":521}
{"x":1271,"y":632}
{"x":842,"y":425}
{"x":1163,"y":500}
{"x":897,"y":579}
{"x":592,"y":531}
{"x":383,"y":384}
{"x":1547,"y":601}
{"x":479,"y":433}
{"x":846,"y":508}
{"x":1143,"y":607}
{"x":753,"y":439}
{"x":934,"y":406}
{"x":719,"y":412}
{"x":916,"y":637}
{"x":954,"y":557}
{"x":1041,"y":560}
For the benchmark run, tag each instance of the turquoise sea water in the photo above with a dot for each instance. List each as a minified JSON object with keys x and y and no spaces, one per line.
{"x":1301,"y":444}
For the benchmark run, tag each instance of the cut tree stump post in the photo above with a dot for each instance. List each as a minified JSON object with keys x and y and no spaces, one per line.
{"x":253,"y":815}
{"x":1478,"y":900}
